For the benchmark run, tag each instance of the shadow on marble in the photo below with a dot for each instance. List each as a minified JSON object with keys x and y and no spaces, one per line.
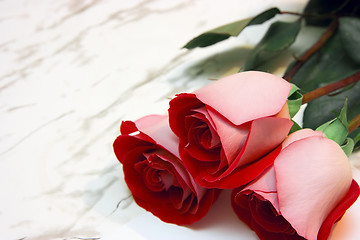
{"x":219,"y":222}
{"x":197,"y":71}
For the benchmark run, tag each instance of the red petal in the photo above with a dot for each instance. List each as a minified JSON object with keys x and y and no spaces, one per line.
{"x":336,"y":214}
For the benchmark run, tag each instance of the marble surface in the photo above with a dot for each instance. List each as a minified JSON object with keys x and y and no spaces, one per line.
{"x":70,"y":72}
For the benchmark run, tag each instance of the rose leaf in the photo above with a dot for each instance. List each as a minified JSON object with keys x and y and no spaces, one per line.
{"x":320,"y":12}
{"x":348,"y":146}
{"x":232,"y":29}
{"x":323,"y":109}
{"x":331,"y":63}
{"x":294,"y":100}
{"x":279,"y":37}
{"x":349,"y":29}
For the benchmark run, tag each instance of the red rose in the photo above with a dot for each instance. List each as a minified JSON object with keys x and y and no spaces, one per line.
{"x":226,"y":128}
{"x":154,"y":174}
{"x":307,"y":190}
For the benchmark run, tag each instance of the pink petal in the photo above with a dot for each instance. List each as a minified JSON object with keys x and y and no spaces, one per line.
{"x":246,"y":96}
{"x":265,"y":135}
{"x":157,"y":127}
{"x":313,"y":174}
{"x":348,"y":226}
{"x":232,"y":137}
{"x":284,"y":112}
{"x":265,"y":186}
{"x":304,"y":133}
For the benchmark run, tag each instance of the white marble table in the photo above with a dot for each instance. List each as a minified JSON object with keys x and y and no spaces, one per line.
{"x":70,"y":72}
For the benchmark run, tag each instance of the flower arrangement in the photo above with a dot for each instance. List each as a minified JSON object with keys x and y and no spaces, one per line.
{"x":237,"y":133}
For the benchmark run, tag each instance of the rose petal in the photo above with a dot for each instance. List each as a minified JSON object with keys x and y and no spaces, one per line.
{"x":128,"y":127}
{"x":181,"y":106}
{"x":284,"y":112}
{"x":264,"y":215}
{"x":232,"y":137}
{"x":336,"y":214}
{"x":158,"y":128}
{"x":313,"y":175}
{"x":304,"y":133}
{"x":206,"y":118}
{"x":265,"y":134}
{"x":240,"y":176}
{"x":230,"y":96}
{"x":265,"y":186}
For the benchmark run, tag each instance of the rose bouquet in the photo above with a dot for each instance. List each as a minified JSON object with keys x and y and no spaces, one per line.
{"x":237,"y":133}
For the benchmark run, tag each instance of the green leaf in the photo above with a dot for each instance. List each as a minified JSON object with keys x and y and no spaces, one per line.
{"x":337,"y":129}
{"x":343,"y":115}
{"x":294,"y":100}
{"x":279,"y":37}
{"x":349,"y":30}
{"x":329,"y":64}
{"x":293,"y":89}
{"x":357,"y":137}
{"x":321,"y":12}
{"x":232,"y":29}
{"x":334,"y":130}
{"x":295,"y":127}
{"x":322,"y":109}
{"x":320,"y":7}
{"x":348,"y":146}
{"x":264,"y":16}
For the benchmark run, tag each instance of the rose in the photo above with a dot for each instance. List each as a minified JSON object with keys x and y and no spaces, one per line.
{"x":154,"y":174}
{"x":226,"y":128}
{"x":306,"y":191}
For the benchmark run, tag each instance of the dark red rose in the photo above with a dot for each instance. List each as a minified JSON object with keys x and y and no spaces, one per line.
{"x":156,"y":176}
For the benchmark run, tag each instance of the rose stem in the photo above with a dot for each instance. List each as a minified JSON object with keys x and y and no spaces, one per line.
{"x":303,"y":58}
{"x":307,"y":15}
{"x":354,"y":123}
{"x":308,"y":97}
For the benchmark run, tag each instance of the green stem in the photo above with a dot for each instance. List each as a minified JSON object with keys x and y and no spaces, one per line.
{"x":302,"y":15}
{"x":303,"y":58}
{"x":308,"y":97}
{"x":354,"y":123}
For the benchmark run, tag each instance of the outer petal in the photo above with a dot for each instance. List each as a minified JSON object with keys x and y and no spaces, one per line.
{"x":313,"y":175}
{"x":158,"y":128}
{"x":265,"y":186}
{"x":284,"y":112}
{"x":265,"y":134}
{"x":181,"y":106}
{"x":336,"y":214}
{"x":231,"y":96}
{"x":304,"y":133}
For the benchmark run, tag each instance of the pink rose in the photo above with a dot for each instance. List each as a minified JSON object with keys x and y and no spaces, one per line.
{"x":154,"y":174}
{"x":307,"y":190}
{"x":226,"y":128}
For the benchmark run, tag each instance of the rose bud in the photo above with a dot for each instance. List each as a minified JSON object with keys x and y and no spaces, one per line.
{"x":303,"y":194}
{"x":154,"y":174}
{"x":226,"y":128}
